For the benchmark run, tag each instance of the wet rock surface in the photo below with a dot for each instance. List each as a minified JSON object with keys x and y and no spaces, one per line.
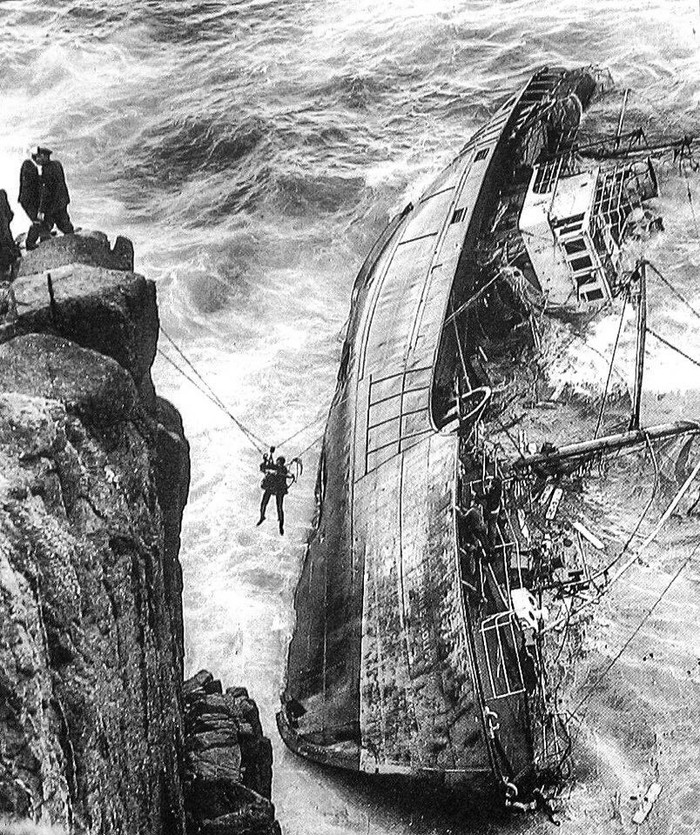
{"x":228,"y":772}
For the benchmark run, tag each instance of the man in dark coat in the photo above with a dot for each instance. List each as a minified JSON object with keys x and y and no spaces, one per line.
{"x":29,"y":199}
{"x":9,"y":251}
{"x":53,"y":205}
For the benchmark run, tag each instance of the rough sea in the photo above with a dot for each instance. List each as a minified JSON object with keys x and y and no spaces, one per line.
{"x":253,"y":150}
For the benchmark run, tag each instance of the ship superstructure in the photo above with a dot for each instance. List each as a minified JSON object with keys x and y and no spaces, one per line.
{"x":420,"y":636}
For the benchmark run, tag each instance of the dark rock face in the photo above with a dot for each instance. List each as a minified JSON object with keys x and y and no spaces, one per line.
{"x":94,"y":476}
{"x":90,"y":720}
{"x":228,"y":762}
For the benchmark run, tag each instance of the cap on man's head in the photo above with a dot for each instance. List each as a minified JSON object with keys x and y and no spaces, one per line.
{"x":38,"y":151}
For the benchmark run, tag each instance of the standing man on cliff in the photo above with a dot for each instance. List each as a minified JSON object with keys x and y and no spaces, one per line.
{"x":9,"y":251}
{"x":53,"y":204}
{"x":30,"y":197}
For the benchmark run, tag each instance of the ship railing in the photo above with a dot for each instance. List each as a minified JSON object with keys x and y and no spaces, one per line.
{"x":515,"y":544}
{"x":499,"y":635}
{"x":546,"y":176}
{"x":598,"y":270}
{"x":507,"y":547}
{"x":550,"y":743}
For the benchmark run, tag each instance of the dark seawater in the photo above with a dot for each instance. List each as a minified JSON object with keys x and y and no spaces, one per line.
{"x":253,"y":150}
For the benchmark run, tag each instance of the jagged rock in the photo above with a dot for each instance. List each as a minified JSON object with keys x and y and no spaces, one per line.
{"x":237,"y":692}
{"x":90,"y":606}
{"x":197,"y":683}
{"x":172,"y":484}
{"x":97,"y":389}
{"x":94,"y":475}
{"x":227,"y":808}
{"x":215,"y":762}
{"x":111,"y":312}
{"x":229,"y":762}
{"x":85,"y":247}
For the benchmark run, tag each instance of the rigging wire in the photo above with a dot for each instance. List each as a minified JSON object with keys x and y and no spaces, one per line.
{"x":474,"y":297}
{"x":593,"y":688}
{"x":675,"y":292}
{"x":649,"y":539}
{"x":610,"y":369}
{"x":570,"y":613}
{"x":673,"y":347}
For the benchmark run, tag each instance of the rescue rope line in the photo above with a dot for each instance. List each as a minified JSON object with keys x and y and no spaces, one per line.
{"x":255,"y":442}
{"x":204,"y":388}
{"x":302,"y":430}
{"x":207,"y":390}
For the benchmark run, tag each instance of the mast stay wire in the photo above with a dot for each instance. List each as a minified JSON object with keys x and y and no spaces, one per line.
{"x":673,"y":347}
{"x":638,"y":552}
{"x":594,"y":687}
{"x":610,"y":369}
{"x":675,"y":292}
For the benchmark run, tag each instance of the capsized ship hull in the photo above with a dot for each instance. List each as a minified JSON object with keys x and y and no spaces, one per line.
{"x":407,"y":656}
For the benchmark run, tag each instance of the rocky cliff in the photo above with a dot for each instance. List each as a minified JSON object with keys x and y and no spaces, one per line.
{"x":93,"y":481}
{"x":228,"y":762}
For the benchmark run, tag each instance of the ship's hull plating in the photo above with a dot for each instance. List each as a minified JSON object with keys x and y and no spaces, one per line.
{"x":385,"y":674}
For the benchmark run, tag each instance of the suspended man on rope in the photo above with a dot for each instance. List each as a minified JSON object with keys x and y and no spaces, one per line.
{"x":277,"y":476}
{"x":276,"y":481}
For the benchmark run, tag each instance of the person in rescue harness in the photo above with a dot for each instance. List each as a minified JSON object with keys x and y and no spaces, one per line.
{"x":275,"y":483}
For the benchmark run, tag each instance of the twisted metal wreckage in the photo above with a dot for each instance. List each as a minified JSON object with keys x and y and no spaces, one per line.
{"x":459,"y":533}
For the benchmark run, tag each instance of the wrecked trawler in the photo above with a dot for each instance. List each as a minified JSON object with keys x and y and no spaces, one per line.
{"x":454,"y":531}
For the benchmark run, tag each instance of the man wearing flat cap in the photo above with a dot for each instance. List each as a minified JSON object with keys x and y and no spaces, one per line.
{"x":53,"y":200}
{"x":30,"y":197}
